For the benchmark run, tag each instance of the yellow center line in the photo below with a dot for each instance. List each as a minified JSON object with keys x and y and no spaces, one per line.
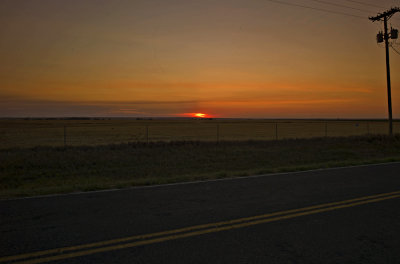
{"x":193,"y":230}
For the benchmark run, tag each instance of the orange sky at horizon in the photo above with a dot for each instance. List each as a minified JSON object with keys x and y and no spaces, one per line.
{"x":168,"y":58}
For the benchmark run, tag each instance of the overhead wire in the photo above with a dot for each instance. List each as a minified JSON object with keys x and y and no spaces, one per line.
{"x":335,"y":12}
{"x":395,"y":50}
{"x":317,"y":9}
{"x":340,"y":5}
{"x":370,"y":5}
{"x":333,"y":4}
{"x":365,"y":4}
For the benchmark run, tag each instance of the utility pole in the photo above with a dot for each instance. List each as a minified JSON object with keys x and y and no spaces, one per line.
{"x":385,"y":37}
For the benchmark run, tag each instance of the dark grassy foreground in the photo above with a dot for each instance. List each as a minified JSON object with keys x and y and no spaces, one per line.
{"x":46,"y":170}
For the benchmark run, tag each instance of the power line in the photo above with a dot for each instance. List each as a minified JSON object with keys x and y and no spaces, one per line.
{"x":384,"y":36}
{"x":398,"y":52}
{"x":340,"y":5}
{"x":385,"y":16}
{"x":362,"y":3}
{"x":317,"y":9}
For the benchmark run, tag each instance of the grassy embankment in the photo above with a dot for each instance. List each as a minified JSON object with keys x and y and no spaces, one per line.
{"x":46,"y":170}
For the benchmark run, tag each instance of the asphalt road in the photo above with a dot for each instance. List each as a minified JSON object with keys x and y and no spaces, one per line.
{"x":344,"y":215}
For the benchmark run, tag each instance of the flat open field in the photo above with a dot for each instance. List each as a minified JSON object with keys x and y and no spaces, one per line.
{"x":101,"y":154}
{"x":58,"y":132}
{"x":44,"y":170}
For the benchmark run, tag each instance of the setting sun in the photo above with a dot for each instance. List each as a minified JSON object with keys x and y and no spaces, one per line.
{"x":231,"y":62}
{"x":200,"y":115}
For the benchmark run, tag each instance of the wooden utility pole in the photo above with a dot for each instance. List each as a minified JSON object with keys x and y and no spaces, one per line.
{"x":385,"y":36}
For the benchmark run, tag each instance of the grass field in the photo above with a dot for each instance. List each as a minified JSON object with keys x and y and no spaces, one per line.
{"x":56,"y":156}
{"x":30,"y":133}
{"x":46,"y":170}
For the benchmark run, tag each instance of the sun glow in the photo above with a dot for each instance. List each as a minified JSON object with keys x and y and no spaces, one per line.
{"x":198,"y":115}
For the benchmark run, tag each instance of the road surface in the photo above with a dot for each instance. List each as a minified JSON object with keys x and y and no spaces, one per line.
{"x":343,"y":215}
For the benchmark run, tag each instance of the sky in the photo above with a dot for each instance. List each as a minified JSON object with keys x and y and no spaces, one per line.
{"x":167,"y":58}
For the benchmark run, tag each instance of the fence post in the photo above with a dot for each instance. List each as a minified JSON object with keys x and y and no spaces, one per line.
{"x":276,"y":131}
{"x":65,"y":136}
{"x":147,"y":134}
{"x":326,"y":129}
{"x":217,"y":133}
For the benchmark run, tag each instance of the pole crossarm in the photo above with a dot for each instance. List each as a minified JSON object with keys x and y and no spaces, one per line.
{"x":386,"y":14}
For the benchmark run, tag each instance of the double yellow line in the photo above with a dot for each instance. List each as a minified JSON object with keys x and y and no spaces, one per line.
{"x":139,"y":240}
